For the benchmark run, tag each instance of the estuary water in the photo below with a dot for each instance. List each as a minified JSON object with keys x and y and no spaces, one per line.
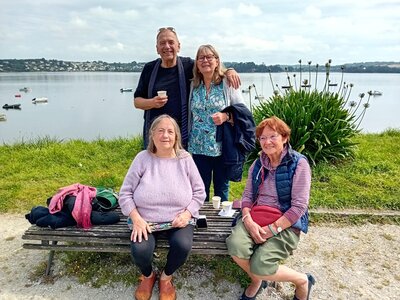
{"x":89,"y":105}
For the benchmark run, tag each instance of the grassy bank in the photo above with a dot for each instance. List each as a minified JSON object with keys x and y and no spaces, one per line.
{"x":32,"y":172}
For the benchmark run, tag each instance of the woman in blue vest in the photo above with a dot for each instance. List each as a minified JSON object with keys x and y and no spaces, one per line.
{"x":278,"y":184}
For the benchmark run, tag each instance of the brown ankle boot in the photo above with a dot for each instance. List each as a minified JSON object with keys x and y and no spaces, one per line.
{"x":167,"y":289}
{"x":145,"y":287}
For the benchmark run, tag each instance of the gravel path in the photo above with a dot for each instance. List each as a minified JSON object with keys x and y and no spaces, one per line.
{"x":349,"y":262}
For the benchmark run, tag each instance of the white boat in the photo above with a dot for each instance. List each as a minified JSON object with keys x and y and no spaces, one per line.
{"x":25,"y":89}
{"x":376,"y":93}
{"x":3,"y":117}
{"x":260,"y":98}
{"x":39,"y":100}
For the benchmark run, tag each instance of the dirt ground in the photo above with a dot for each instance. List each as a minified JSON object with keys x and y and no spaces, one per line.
{"x":352,"y":262}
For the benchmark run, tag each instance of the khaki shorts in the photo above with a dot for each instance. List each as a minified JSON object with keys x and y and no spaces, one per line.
{"x":264,"y":258}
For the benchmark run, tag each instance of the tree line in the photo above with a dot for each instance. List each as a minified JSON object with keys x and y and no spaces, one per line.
{"x":52,"y":65}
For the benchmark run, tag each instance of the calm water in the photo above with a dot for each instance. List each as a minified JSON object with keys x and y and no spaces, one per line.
{"x":90,"y":105}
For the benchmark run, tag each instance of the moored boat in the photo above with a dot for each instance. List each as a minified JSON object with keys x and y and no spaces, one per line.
{"x":376,"y":93}
{"x":260,"y":98}
{"x":25,"y":89}
{"x":12,"y":106}
{"x":3,"y":117}
{"x":39,"y":100}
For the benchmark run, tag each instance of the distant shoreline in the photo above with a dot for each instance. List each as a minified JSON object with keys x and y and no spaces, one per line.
{"x":52,"y":65}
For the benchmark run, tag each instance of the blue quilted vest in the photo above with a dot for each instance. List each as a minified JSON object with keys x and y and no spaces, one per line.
{"x":284,"y":178}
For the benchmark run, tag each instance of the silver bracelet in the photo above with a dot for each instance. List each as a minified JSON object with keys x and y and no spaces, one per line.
{"x":245,"y":216}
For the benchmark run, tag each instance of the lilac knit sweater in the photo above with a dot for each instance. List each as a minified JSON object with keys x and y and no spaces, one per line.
{"x":161,"y":188}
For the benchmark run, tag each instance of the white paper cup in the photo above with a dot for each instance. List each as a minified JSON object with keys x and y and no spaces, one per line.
{"x":226,"y":206}
{"x":162,"y":93}
{"x":216,"y":201}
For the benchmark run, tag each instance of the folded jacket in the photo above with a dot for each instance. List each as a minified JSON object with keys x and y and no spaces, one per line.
{"x":41,"y":216}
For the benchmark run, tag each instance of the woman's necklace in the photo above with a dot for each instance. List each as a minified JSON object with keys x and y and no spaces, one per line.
{"x":208,"y":89}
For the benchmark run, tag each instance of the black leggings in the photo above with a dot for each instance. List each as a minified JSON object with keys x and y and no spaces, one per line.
{"x":180,"y":243}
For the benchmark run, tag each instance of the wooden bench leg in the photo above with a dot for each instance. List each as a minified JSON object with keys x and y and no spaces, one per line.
{"x":50,"y":259}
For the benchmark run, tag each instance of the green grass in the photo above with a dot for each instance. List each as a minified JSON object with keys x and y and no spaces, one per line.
{"x":32,"y":172}
{"x":369,"y":181}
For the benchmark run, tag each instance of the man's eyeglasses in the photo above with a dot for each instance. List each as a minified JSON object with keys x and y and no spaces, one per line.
{"x":206,"y":57}
{"x":166,"y":28}
{"x":272,"y":138}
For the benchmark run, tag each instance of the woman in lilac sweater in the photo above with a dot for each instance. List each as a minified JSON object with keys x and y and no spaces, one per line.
{"x":162,"y":185}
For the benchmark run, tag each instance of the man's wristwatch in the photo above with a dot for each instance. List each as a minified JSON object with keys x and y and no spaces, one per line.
{"x":278,"y":228}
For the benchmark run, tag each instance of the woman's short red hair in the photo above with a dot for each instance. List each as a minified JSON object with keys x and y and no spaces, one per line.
{"x":275,"y":124}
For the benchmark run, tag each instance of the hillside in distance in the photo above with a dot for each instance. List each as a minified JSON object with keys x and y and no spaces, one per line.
{"x":53,"y":65}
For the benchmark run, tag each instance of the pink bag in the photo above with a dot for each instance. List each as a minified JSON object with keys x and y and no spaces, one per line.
{"x":264,"y":215}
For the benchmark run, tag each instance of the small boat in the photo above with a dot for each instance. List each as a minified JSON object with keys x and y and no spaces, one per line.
{"x":3,"y":117}
{"x":126,"y":90}
{"x":25,"y":89}
{"x":259,"y":98}
{"x":376,"y":93}
{"x":39,"y":100}
{"x":18,"y":96}
{"x":12,"y":106}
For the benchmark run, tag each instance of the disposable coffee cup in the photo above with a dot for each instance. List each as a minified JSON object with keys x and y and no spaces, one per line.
{"x":216,"y":201}
{"x":162,"y":93}
{"x":226,"y":206}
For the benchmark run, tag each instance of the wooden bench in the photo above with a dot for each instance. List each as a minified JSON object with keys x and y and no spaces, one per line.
{"x":115,"y":238}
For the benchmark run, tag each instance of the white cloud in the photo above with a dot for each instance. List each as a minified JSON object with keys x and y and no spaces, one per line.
{"x":249,"y":10}
{"x":99,"y":48}
{"x":119,"y":46}
{"x":223,"y":13}
{"x":313,"y":12}
{"x":271,"y":31}
{"x":131,"y":13}
{"x":91,"y":48}
{"x":101,"y":12}
{"x":296,"y":42}
{"x":78,"y":22}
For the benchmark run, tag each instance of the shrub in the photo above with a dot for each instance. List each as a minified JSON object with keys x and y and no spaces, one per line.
{"x":322,"y":127}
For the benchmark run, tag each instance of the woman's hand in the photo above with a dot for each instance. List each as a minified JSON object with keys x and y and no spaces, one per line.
{"x":257,"y":233}
{"x":268,"y":233}
{"x":182,"y":219}
{"x":219,"y":118}
{"x":140,"y":229}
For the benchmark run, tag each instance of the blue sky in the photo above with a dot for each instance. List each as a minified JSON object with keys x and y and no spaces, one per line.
{"x":270,"y":32}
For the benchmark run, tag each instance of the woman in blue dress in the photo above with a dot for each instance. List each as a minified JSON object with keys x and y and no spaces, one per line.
{"x":210,"y":94}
